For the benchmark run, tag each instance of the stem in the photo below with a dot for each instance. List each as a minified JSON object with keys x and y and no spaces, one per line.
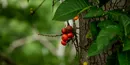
{"x":68,"y":23}
{"x":37,"y":8}
{"x":48,"y":35}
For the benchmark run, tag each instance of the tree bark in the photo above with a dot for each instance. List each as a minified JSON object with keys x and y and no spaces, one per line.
{"x":85,"y":43}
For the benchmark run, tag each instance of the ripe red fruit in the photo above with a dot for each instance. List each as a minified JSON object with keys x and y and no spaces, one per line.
{"x":64,"y":30}
{"x":63,"y":42}
{"x":69,"y":28}
{"x":64,"y":37}
{"x":70,"y":35}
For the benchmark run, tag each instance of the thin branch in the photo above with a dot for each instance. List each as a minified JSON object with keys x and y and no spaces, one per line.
{"x":44,"y":41}
{"x":51,"y":35}
{"x":68,"y":23}
{"x":33,"y":12}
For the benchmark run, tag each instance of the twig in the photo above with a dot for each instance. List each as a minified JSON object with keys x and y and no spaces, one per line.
{"x":76,"y":47}
{"x":48,"y":35}
{"x":33,"y":12}
{"x":68,"y":23}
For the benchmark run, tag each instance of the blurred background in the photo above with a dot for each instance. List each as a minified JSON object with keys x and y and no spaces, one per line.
{"x":19,"y":39}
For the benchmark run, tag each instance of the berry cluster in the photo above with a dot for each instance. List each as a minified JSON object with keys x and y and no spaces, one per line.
{"x":67,"y":34}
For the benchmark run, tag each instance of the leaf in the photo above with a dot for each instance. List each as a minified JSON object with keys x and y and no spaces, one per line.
{"x":94,"y":12}
{"x":93,"y":49}
{"x":68,"y":9}
{"x":94,"y":29}
{"x":106,"y":35}
{"x":127,"y":29}
{"x":112,"y":59}
{"x":104,"y":39}
{"x":124,"y":58}
{"x":126,"y":45}
{"x":114,"y":15}
{"x":122,"y":18}
{"x":105,"y":23}
{"x":125,"y":20}
{"x":84,"y":9}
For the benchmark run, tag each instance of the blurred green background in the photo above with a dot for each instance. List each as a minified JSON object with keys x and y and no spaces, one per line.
{"x":19,"y":39}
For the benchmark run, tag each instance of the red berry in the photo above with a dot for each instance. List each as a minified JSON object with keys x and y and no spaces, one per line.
{"x":70,"y":35}
{"x":64,"y":30}
{"x":63,"y":42}
{"x":69,"y":28}
{"x":64,"y":37}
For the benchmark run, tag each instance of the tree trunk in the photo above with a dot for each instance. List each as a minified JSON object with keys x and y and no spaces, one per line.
{"x":84,"y":43}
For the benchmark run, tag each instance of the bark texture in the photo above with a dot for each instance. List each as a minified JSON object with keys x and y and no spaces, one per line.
{"x":84,"y":43}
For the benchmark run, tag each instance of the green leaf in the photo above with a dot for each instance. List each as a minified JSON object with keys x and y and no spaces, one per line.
{"x":94,"y":12}
{"x":125,"y":20}
{"x":112,"y":59}
{"x":93,"y":49}
{"x":68,"y":9}
{"x":84,"y":9}
{"x":124,"y":58}
{"x":127,"y":29}
{"x":106,"y":35}
{"x":122,"y":18}
{"x":126,"y":45}
{"x":114,"y":15}
{"x":94,"y":29}
{"x":104,"y":39}
{"x":105,"y":23}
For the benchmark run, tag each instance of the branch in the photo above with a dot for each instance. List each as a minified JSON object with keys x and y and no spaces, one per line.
{"x":50,"y":35}
{"x":44,"y":41}
{"x":32,"y":12}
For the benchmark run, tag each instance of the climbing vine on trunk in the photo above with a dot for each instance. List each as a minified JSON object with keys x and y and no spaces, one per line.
{"x":104,"y":28}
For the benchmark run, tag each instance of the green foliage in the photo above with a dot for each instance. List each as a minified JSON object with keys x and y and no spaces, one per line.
{"x":105,"y":33}
{"x":93,"y":29}
{"x":93,"y":49}
{"x":112,"y":59}
{"x":126,"y":45}
{"x":28,"y":0}
{"x":30,"y":53}
{"x":18,"y":27}
{"x":66,"y":12}
{"x":105,"y":23}
{"x":104,"y":39}
{"x":16,"y":23}
{"x":122,"y":18}
{"x":94,"y":12}
{"x":124,"y":58}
